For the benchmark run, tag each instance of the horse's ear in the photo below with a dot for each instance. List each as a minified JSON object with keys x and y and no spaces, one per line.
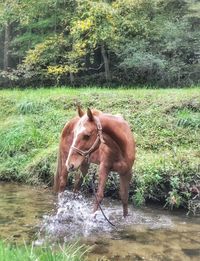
{"x":80,"y":111}
{"x":90,"y":115}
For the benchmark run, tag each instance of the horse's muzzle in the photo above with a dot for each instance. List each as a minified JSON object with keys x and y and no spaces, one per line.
{"x":71,"y":167}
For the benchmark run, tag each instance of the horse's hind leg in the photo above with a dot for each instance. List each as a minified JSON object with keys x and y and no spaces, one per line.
{"x":124,"y":191}
{"x":80,"y":175}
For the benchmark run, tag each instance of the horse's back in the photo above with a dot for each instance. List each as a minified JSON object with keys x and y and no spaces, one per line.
{"x":123,"y":136}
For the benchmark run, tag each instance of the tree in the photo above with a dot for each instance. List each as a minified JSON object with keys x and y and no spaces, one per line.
{"x":89,"y":41}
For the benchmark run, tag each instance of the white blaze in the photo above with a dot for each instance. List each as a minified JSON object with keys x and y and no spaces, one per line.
{"x":78,"y":130}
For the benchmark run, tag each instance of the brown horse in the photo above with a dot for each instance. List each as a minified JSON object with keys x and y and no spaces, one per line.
{"x":100,"y":138}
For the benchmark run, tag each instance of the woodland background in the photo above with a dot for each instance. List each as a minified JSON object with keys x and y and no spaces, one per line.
{"x":85,"y":42}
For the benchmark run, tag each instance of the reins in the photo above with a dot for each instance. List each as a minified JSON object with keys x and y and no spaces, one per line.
{"x":99,"y":204}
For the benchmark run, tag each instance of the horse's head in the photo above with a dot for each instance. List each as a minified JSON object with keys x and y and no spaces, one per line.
{"x":86,"y":139}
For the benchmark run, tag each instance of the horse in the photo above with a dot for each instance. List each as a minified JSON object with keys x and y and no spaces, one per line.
{"x":100,"y":138}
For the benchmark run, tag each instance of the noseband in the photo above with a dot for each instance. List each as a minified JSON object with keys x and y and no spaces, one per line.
{"x":86,"y":153}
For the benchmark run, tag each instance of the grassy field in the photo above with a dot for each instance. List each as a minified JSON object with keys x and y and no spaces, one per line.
{"x":165,"y":122}
{"x":27,"y":253}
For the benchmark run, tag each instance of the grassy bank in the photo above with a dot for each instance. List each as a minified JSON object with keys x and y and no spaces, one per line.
{"x":24,"y":253}
{"x":166,"y":124}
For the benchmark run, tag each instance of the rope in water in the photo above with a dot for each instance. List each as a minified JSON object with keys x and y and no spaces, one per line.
{"x":99,"y":204}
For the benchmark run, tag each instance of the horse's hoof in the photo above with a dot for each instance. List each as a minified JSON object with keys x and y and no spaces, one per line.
{"x":125,"y":214}
{"x":94,"y":215}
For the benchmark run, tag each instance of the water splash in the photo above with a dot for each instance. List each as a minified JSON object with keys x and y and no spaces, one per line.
{"x":73,"y":218}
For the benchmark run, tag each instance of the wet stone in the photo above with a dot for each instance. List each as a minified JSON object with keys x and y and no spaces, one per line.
{"x":192,"y":252}
{"x":100,"y":250}
{"x":129,"y":236}
{"x":17,"y":235}
{"x":133,"y":257}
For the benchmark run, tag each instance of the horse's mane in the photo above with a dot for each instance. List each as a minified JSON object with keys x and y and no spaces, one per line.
{"x":96,"y":112}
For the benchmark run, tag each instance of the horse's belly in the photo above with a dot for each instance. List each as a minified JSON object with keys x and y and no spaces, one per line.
{"x":120,"y":167}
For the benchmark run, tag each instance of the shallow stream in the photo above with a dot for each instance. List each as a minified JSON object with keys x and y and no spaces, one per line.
{"x":34,"y":215}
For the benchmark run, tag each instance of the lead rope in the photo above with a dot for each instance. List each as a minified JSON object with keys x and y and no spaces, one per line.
{"x":99,"y":204}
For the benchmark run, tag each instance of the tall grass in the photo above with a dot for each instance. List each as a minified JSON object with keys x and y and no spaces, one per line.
{"x":165,"y":123}
{"x":71,"y":252}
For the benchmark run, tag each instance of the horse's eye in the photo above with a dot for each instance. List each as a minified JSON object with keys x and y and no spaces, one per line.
{"x":86,"y":137}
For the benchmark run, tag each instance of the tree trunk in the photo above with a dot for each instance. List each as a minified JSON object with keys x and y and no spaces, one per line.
{"x":106,"y":63}
{"x":55,"y":18}
{"x":71,"y":75}
{"x":6,"y":47}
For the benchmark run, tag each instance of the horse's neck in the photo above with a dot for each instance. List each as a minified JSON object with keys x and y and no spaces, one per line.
{"x":113,"y":128}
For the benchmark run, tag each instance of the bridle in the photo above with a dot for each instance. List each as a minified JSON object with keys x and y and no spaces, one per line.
{"x":86,"y":153}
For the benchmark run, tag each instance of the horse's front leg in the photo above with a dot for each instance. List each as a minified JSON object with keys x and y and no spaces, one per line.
{"x":79,"y":176}
{"x":103,"y":175}
{"x":63,"y":179}
{"x":60,"y":179}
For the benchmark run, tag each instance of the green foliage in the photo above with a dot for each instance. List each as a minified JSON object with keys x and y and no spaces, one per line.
{"x":59,"y":42}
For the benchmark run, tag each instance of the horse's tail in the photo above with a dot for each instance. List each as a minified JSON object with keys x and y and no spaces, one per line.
{"x":58,"y":171}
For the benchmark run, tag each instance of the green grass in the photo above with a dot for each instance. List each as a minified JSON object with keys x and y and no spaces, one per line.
{"x":165,"y":122}
{"x":27,"y":253}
